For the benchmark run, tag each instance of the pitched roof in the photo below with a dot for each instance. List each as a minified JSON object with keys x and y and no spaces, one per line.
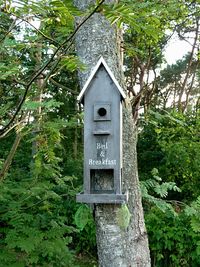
{"x":85,"y":87}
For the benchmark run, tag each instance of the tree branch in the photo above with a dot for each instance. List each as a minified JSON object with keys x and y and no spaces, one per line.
{"x":10,"y":156}
{"x":13,"y":25}
{"x":189,"y":66}
{"x":63,"y":87}
{"x":39,"y":72}
{"x":41,"y":33}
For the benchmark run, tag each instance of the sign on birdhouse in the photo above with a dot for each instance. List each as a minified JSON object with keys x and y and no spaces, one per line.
{"x":102,"y":98}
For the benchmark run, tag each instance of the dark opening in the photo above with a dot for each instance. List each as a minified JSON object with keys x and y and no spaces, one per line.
{"x":102,"y":181}
{"x":102,"y":112}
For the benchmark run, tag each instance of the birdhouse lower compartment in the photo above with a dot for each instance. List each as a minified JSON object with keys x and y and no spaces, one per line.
{"x":102,"y":188}
{"x":102,"y":181}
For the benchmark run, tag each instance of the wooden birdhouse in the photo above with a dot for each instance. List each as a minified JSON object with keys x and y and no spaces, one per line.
{"x":102,"y":99}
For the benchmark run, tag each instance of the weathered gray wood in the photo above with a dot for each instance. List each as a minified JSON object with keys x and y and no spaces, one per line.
{"x":102,"y":134}
{"x":116,"y":247}
{"x":87,"y":85}
{"x":102,"y":198}
{"x":102,"y":151}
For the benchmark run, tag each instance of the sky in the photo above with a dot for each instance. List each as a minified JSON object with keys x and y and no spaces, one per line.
{"x":176,"y":49}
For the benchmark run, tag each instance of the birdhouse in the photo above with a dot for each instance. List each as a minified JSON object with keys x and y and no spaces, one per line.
{"x":102,"y":99}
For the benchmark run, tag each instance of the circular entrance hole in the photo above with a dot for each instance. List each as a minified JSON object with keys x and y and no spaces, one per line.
{"x":102,"y":112}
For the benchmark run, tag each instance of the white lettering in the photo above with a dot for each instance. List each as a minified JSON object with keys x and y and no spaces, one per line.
{"x":102,"y":154}
{"x":105,"y":162}
{"x":94,"y":162}
{"x":98,"y":145}
{"x":106,"y":145}
{"x":102,"y":146}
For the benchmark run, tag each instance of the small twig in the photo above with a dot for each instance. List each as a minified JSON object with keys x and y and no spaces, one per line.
{"x":41,"y":33}
{"x":42,"y":200}
{"x":11,"y":128}
{"x":13,"y":25}
{"x":177,"y":202}
{"x":63,"y":86}
{"x":35,"y":204}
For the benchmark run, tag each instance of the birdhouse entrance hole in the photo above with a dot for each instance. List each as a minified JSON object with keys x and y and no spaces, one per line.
{"x":102,"y":112}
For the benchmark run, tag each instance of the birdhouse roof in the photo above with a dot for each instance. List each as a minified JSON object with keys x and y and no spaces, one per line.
{"x":100,"y":62}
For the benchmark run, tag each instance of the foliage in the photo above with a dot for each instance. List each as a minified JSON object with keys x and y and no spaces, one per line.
{"x":192,"y":212}
{"x":171,"y":140}
{"x":86,"y":261}
{"x":123,"y":216}
{"x":154,"y":191}
{"x":34,"y":228}
{"x":86,"y":238}
{"x":39,"y":87}
{"x":172,"y":240}
{"x":82,"y":216}
{"x":174,"y":138}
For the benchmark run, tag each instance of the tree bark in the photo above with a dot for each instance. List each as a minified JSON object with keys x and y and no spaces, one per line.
{"x":10,"y":156}
{"x":37,"y":114}
{"x":188,"y":71}
{"x":117,"y":247}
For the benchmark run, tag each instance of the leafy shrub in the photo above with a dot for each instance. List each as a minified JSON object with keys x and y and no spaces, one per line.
{"x":169,"y":147}
{"x":170,"y":143}
{"x":172,"y":241}
{"x":35,"y":230}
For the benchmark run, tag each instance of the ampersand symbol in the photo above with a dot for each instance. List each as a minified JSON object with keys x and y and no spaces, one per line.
{"x":102,"y":154}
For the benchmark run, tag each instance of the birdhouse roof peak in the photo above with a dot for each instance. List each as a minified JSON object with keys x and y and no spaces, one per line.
{"x":100,"y":62}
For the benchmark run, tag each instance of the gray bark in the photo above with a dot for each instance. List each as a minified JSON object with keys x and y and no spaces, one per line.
{"x":117,"y":247}
{"x":97,"y":38}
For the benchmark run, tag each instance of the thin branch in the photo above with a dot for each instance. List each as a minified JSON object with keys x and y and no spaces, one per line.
{"x":39,"y":72}
{"x":13,"y":25}
{"x":19,"y":82}
{"x":191,"y":86}
{"x":41,"y":33}
{"x":189,"y":66}
{"x":63,"y":87}
{"x":176,"y":202}
{"x":10,"y":157}
{"x":35,"y":204}
{"x":11,"y":128}
{"x":12,"y":152}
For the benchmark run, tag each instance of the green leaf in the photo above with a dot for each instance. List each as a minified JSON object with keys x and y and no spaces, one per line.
{"x":34,"y":105}
{"x":71,"y":63}
{"x":123,"y":216}
{"x":82,"y":216}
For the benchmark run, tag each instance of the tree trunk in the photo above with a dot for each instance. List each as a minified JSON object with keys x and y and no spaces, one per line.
{"x":10,"y":156}
{"x":188,"y":71}
{"x":40,"y":83}
{"x":116,"y":246}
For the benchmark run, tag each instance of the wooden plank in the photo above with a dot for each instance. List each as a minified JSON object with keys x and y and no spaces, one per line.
{"x":102,"y":198}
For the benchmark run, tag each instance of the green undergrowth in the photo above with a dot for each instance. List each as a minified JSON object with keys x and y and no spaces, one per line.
{"x":85,"y":261}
